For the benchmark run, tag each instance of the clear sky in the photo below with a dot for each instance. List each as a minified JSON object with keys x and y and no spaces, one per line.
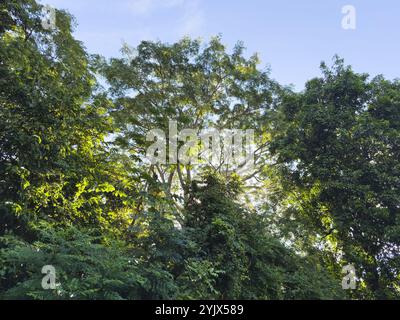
{"x":292,"y":37}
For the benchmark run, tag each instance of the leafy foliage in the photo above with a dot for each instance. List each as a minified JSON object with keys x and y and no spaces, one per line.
{"x":77,"y":194}
{"x":338,"y":148}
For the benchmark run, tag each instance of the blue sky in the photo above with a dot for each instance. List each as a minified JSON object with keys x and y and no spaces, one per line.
{"x":292,"y":37}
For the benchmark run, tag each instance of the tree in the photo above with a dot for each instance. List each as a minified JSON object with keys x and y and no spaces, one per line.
{"x":198,"y":86}
{"x":54,"y":162}
{"x":337,"y":147}
{"x":84,"y":267}
{"x":247,"y":261}
{"x":77,"y":193}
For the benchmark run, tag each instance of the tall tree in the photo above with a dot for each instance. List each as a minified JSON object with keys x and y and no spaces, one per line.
{"x":338,"y":148}
{"x":54,"y":163}
{"x":198,"y":86}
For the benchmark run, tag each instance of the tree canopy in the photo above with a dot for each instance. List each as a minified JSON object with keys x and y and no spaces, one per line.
{"x":77,"y":191}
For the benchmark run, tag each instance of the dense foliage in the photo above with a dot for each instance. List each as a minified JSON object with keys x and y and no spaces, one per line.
{"x":77,"y":193}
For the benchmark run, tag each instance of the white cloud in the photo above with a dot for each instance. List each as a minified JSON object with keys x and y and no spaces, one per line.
{"x":143,"y":7}
{"x":193,"y":18}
